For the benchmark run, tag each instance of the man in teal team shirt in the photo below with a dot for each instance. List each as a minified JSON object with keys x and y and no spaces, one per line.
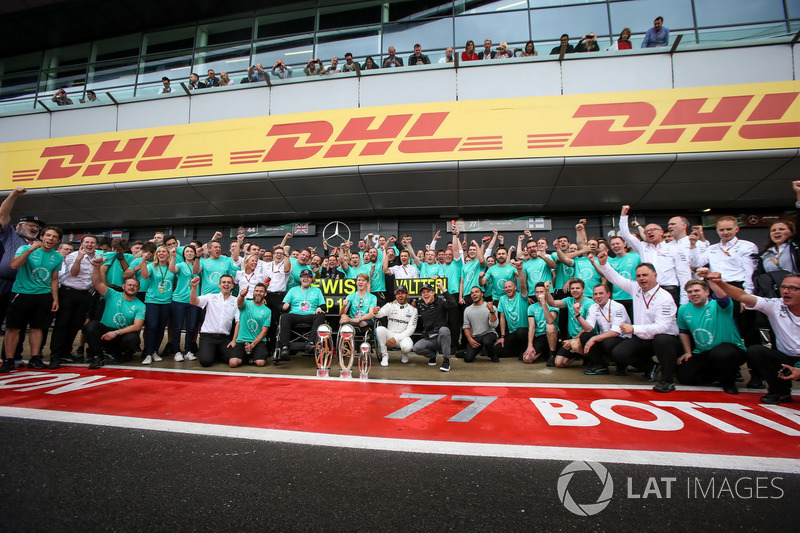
{"x":718,"y":349}
{"x":117,"y":331}
{"x":574,"y":305}
{"x":496,"y":276}
{"x":250,"y":334}
{"x":34,"y":296}
{"x":302,"y":305}
{"x":212,"y":268}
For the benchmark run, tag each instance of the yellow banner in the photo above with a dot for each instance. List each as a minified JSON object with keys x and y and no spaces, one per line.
{"x":707,"y":119}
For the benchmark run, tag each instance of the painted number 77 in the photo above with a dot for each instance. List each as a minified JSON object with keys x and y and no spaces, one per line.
{"x":479,"y":403}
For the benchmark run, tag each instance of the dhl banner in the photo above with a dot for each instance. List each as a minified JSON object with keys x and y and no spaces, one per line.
{"x":706,"y":119}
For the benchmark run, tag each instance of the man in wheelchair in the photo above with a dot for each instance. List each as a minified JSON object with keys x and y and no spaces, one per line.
{"x":302,"y":304}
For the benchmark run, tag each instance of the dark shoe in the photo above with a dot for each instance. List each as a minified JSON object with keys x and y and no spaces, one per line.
{"x":775,"y":398}
{"x":285,"y":353}
{"x":445,"y":365}
{"x":730,"y":389}
{"x":739,"y":377}
{"x":55,"y":363}
{"x":664,"y":386}
{"x":432,"y":360}
{"x":755,"y":383}
{"x":496,"y":359}
{"x":8,"y":366}
{"x":650,"y":375}
{"x":66,"y":359}
{"x":551,"y":361}
{"x":596,"y":371}
{"x":621,"y":370}
{"x":310,"y":348}
{"x":36,"y":362}
{"x":79,"y":351}
{"x":97,"y":362}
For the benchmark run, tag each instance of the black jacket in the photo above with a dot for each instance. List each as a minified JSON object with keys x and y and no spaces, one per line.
{"x":434,"y":315}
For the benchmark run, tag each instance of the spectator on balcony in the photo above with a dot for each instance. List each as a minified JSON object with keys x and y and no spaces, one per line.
{"x":418,"y":58}
{"x":333,"y":68}
{"x":529,"y":51}
{"x":392,"y":60}
{"x":448,"y":56}
{"x":224,"y":79}
{"x":503,"y":52}
{"x":256,"y":73}
{"x":487,"y":52}
{"x":281,"y":70}
{"x":91,"y":98}
{"x":624,"y":41}
{"x":588,"y":43}
{"x":656,"y":36}
{"x":349,"y":65}
{"x":165,"y":88}
{"x":568,"y":48}
{"x":469,"y":54}
{"x":61,"y":98}
{"x":313,"y":67}
{"x":369,"y":64}
{"x":212,"y":80}
{"x":195,"y":83}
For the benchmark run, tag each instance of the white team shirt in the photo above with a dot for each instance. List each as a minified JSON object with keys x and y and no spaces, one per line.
{"x":734,"y":260}
{"x":408,"y":271}
{"x":783,"y":322}
{"x":220,"y":313}
{"x":278,"y":276}
{"x":402,"y":319}
{"x":608,"y":317}
{"x":81,"y":282}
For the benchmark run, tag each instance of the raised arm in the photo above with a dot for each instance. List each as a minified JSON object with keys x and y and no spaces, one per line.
{"x":625,"y":232}
{"x":98,"y":280}
{"x":8,"y":205}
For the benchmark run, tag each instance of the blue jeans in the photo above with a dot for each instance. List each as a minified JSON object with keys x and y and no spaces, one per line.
{"x":156,"y":318}
{"x":190,"y":315}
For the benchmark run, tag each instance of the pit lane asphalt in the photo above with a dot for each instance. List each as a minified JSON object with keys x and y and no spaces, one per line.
{"x":73,"y":477}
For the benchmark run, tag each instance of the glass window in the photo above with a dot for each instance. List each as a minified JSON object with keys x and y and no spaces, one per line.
{"x":112,"y":74}
{"x":498,"y":27}
{"x":551,"y":3}
{"x":176,"y":68}
{"x":226,"y":58}
{"x":722,"y":12}
{"x":118,"y":47}
{"x":293,"y":51}
{"x":638,"y":15}
{"x":64,"y":78}
{"x":168,"y":40}
{"x":402,"y":10}
{"x":431,"y":34}
{"x":32,"y":61}
{"x":574,"y":21}
{"x":231,"y":31}
{"x":794,"y":8}
{"x":492,"y":6}
{"x":360,"y":44}
{"x":361,"y":14}
{"x":68,"y":55}
{"x":754,"y":31}
{"x":285,"y":24}
{"x":21,"y":85}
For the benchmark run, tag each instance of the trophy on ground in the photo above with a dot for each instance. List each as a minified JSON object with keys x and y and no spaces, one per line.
{"x":323,"y":351}
{"x":364,"y":360}
{"x":346,"y":350}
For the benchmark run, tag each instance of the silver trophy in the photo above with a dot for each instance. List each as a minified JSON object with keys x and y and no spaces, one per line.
{"x":346,"y":349}
{"x":364,"y":360}
{"x":323,"y":351}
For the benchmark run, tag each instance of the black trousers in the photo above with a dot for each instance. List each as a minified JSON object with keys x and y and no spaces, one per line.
{"x":213,"y":348}
{"x":121,"y":345}
{"x":275,"y":304}
{"x":639,"y":353}
{"x":515,"y":343}
{"x":720,"y":362}
{"x":487,"y":341}
{"x":73,"y":305}
{"x":288,"y":321}
{"x":768,"y":362}
{"x":602,"y":351}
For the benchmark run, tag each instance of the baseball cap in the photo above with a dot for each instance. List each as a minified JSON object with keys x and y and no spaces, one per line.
{"x":401,"y":288}
{"x":427,"y":286}
{"x":33,"y":218}
{"x":306,"y":272}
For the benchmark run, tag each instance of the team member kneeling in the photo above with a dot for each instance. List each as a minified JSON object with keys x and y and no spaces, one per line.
{"x":250,"y":340}
{"x":401,"y":325}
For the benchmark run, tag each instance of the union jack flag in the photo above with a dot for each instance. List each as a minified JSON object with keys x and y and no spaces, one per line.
{"x":301,"y":228}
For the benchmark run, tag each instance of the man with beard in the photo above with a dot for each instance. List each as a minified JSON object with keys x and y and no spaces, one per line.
{"x":402,"y":322}
{"x":576,"y":305}
{"x":496,"y":275}
{"x":433,"y":310}
{"x":250,"y":333}
{"x":304,"y":305}
{"x":480,"y":319}
{"x":513,"y":309}
{"x":213,"y":267}
{"x":34,"y":293}
{"x":542,"y":329}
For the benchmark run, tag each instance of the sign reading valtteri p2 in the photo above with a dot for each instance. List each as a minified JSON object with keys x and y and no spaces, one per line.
{"x":704,"y":119}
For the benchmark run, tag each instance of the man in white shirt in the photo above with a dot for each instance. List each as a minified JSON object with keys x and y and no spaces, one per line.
{"x":667,"y":259}
{"x":655,"y":328}
{"x":402,"y":322}
{"x":405,"y":270}
{"x":221,"y":309}
{"x":608,"y":317}
{"x":277,"y":277}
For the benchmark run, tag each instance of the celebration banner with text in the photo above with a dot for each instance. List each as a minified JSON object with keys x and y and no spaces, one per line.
{"x":703,"y":119}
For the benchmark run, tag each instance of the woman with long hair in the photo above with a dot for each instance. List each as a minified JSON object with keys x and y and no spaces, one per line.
{"x":157,"y":301}
{"x":469,"y":53}
{"x":529,"y":51}
{"x":184,"y":314}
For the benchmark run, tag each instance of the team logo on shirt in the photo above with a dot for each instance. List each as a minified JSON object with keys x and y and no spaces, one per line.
{"x":166,"y":284}
{"x":40,"y":274}
{"x":703,"y":337}
{"x":119,"y":320}
{"x":586,"y":273}
{"x":252,"y":325}
{"x":214,"y":277}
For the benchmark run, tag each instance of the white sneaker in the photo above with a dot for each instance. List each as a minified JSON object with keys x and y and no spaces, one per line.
{"x":190,"y":356}
{"x":178,"y":357}
{"x":156,"y":358}
{"x":147,"y":360}
{"x":385,"y":359}
{"x":404,"y":358}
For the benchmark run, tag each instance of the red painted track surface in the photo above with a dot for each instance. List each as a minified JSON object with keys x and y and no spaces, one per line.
{"x":541,"y":415}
